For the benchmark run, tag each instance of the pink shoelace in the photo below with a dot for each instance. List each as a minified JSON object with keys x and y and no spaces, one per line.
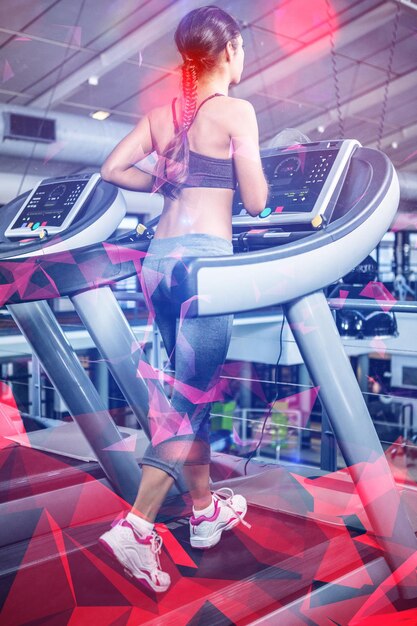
{"x":225,"y":495}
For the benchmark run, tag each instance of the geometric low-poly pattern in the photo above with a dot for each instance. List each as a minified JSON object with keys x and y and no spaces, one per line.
{"x":309,"y":557}
{"x":64,"y":273}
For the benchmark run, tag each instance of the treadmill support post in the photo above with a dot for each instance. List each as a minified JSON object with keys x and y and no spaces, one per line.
{"x":328,"y":460}
{"x":318,"y":340}
{"x":36,"y":386}
{"x":42,"y":331}
{"x":101,"y":315}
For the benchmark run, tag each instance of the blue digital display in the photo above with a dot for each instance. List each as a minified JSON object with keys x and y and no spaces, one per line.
{"x":295,"y":179}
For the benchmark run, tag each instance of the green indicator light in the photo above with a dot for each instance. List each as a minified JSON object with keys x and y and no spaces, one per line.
{"x":266,"y":212}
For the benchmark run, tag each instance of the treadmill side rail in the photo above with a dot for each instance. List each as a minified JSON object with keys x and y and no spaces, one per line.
{"x":39,"y":326}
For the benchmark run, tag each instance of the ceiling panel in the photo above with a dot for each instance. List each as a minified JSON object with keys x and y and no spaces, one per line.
{"x":262,"y":48}
{"x":284,"y":115}
{"x":34,"y":65}
{"x":275,"y":34}
{"x":4,"y":36}
{"x":306,"y":21}
{"x":352,"y":82}
{"x":248,"y":11}
{"x":353,"y":9}
{"x":94,"y":24}
{"x":69,"y":22}
{"x":108,"y":22}
{"x":297,"y":21}
{"x":17,"y":14}
{"x":117,"y":86}
{"x":404,"y":59}
{"x":303,"y":81}
{"x":364,"y":131}
{"x":375,"y":50}
{"x":161,"y":91}
{"x":161,"y":52}
{"x":400,"y":110}
{"x":367,"y":46}
{"x":21,"y":99}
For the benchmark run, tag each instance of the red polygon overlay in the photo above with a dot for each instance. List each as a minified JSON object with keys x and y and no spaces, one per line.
{"x":11,"y":423}
{"x":309,"y":557}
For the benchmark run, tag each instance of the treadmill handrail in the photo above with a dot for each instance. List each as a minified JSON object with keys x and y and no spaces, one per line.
{"x":218,"y":280}
{"x":111,"y":261}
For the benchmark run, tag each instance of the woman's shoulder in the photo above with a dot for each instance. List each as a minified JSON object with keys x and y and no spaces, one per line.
{"x":232,"y":104}
{"x":237,"y":109}
{"x":160,"y":130}
{"x":238,"y":103}
{"x":238,"y":114}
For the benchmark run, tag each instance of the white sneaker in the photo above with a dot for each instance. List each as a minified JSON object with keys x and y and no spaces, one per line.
{"x":138,"y":555}
{"x":229,"y":510}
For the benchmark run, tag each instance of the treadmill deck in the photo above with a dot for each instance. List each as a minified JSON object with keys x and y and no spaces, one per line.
{"x":309,"y":565}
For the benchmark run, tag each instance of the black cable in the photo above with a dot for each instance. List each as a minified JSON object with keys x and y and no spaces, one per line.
{"x":334,"y":71}
{"x":388,"y":75}
{"x":271,"y":406}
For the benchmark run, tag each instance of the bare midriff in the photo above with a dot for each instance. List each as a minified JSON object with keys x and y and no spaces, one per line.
{"x":203,"y":210}
{"x":198,"y":210}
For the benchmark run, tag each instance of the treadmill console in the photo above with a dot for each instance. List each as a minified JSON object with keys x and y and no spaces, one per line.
{"x":304,"y":183}
{"x":52,"y":206}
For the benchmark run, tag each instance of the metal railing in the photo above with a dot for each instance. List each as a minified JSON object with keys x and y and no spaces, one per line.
{"x":328,"y":443}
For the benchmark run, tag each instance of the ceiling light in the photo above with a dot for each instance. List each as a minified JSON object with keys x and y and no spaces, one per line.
{"x":100,"y":115}
{"x":320,"y":129}
{"x":93,"y":80}
{"x":394,"y":145}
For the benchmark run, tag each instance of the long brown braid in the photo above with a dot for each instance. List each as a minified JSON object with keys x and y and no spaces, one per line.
{"x":189,"y":90}
{"x":173,"y":164}
{"x":201,"y":36}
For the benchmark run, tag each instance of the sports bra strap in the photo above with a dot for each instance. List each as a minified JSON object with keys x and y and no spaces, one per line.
{"x":174,"y":114}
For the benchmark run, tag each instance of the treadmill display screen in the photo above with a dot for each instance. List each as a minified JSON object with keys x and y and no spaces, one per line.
{"x":50,"y":205}
{"x":295,"y":179}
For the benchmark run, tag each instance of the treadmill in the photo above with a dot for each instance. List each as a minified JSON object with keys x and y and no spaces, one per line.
{"x":355,"y":189}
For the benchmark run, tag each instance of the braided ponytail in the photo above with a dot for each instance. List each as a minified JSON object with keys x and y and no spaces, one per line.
{"x":189,"y":90}
{"x":200,"y":37}
{"x":172,"y":169}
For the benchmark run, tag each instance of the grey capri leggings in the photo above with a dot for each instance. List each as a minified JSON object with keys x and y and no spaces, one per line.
{"x":196,"y":347}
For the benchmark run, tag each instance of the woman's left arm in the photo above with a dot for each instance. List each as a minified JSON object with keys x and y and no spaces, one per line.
{"x":120,"y":166}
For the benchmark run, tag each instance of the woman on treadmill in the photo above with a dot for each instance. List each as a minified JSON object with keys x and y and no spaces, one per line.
{"x":205,"y":142}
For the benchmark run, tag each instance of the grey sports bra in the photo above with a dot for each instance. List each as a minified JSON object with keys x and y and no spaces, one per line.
{"x":205,"y":171}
